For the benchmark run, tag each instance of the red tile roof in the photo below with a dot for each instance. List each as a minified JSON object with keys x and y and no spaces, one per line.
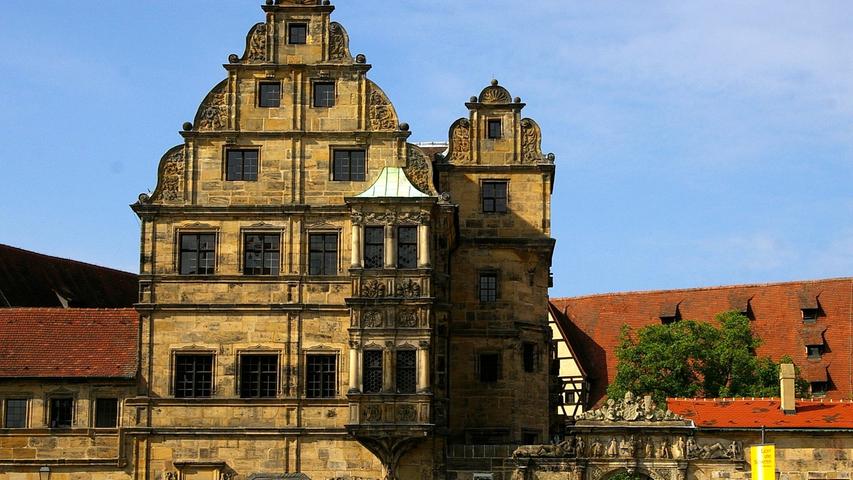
{"x":29,"y":279}
{"x":745,"y":413}
{"x":68,"y":343}
{"x":593,"y":324}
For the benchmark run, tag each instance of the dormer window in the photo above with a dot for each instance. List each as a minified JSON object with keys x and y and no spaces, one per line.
{"x":810,"y":314}
{"x":297,"y":33}
{"x":815,"y":351}
{"x":670,"y":314}
{"x":494,"y":130}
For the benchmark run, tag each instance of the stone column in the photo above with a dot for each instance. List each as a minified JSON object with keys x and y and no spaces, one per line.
{"x":423,"y":367}
{"x":423,"y":246}
{"x":390,"y":251}
{"x":354,"y":367}
{"x":388,"y":368}
{"x":357,"y":246}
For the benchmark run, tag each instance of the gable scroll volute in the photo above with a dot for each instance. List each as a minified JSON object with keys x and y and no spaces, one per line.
{"x":171,"y":178}
{"x":531,"y":142}
{"x":257,"y":42}
{"x":419,"y":170}
{"x":460,"y":142}
{"x":213,"y":112}
{"x":339,"y":44}
{"x":380,"y":112}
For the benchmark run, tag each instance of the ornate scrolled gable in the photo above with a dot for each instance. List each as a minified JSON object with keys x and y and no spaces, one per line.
{"x":339,"y":44}
{"x":419,"y":170}
{"x":531,"y":142}
{"x":460,"y":142}
{"x":495,"y":94}
{"x":256,"y":44}
{"x":381,"y":113}
{"x":170,"y":178}
{"x":213,"y":112}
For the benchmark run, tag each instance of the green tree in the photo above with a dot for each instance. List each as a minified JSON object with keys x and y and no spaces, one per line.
{"x":695,"y":359}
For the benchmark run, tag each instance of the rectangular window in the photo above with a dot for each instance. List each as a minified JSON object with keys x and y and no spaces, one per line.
{"x":529,"y":438}
{"x":322,"y":376}
{"x":814,"y":351}
{"x":407,"y":381}
{"x":241,"y":165}
{"x":810,"y":315}
{"x":61,"y":412}
{"x":106,"y":413}
{"x":324,"y":94}
{"x":494,"y":129}
{"x":258,"y":376}
{"x":269,"y":94}
{"x":529,"y":357}
{"x":488,"y":286}
{"x":16,"y":413}
{"x":198,"y":253}
{"x":570,"y":398}
{"x":819,"y":388}
{"x":489,"y":367}
{"x":297,"y":33}
{"x":494,"y":197}
{"x":323,"y":254}
{"x":407,"y":247}
{"x":193,"y":375}
{"x":374,"y":247}
{"x":348,"y":165}
{"x":372,"y":371}
{"x":261,"y":254}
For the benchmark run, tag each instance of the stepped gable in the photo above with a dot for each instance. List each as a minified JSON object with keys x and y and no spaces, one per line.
{"x":68,"y":343}
{"x":594,"y":322}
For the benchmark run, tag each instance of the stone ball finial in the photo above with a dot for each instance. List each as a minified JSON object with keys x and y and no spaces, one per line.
{"x":233,"y":58}
{"x":517,"y":100}
{"x":494,"y":82}
{"x":404,"y":127}
{"x":270,"y":2}
{"x":143,"y":198}
{"x":360,"y":58}
{"x":551,"y":157}
{"x":327,"y":2}
{"x":473,"y":99}
{"x":187,"y":126}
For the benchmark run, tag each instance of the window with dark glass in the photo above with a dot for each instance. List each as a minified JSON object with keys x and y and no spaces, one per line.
{"x":261,"y":254}
{"x":258,"y":376}
{"x":407,"y":381}
{"x":61,"y":412}
{"x":494,"y":197}
{"x":198,"y":253}
{"x":489,"y":367}
{"x":488,"y":286}
{"x":814,"y":351}
{"x":810,"y":315}
{"x":372,"y":371}
{"x":241,"y":165}
{"x":269,"y":94}
{"x":323,"y":254}
{"x":322,"y":376}
{"x":16,"y":413}
{"x":193,"y":375}
{"x":494,"y":129}
{"x":348,"y":165}
{"x":374,"y":247}
{"x":570,"y":398}
{"x":407,"y":247}
{"x":529,"y":357}
{"x":324,"y":94}
{"x":529,"y":438}
{"x":297,"y":33}
{"x":106,"y":413}
{"x":819,"y":388}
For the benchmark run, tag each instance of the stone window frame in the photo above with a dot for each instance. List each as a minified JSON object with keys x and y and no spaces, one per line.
{"x":48,"y":407}
{"x":405,"y":347}
{"x":324,"y":81}
{"x":197,"y":230}
{"x":234,"y":147}
{"x":478,"y":358}
{"x":4,"y":410}
{"x":483,"y":182}
{"x":820,"y":348}
{"x":348,"y":148}
{"x":381,"y":245}
{"x":260,"y":83}
{"x":338,"y":262}
{"x":397,"y":245}
{"x":491,"y":121}
{"x":306,"y":22}
{"x":93,"y":409}
{"x":339,"y":374}
{"x":496,"y":272}
{"x":238,"y":372}
{"x":175,"y":352}
{"x":373,"y":347}
{"x":270,"y":230}
{"x":535,"y":356}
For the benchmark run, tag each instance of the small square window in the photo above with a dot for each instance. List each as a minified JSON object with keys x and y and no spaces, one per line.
{"x":324,"y":94}
{"x":16,"y":413}
{"x":372,"y":371}
{"x":407,"y":247}
{"x":198,"y":253}
{"x":489,"y":367}
{"x":297,"y":33}
{"x":258,"y":376}
{"x":241,"y":165}
{"x":322,"y":372}
{"x":495,"y":129}
{"x":810,"y":315}
{"x":529,"y":357}
{"x":261,"y":254}
{"x":269,"y":94}
{"x":819,"y":388}
{"x":488,"y":287}
{"x":814,"y":351}
{"x":348,"y":165}
{"x":323,"y":254}
{"x":106,"y":413}
{"x":193,"y":375}
{"x":494,"y":197}
{"x":61,"y":412}
{"x":374,"y":247}
{"x":569,"y":398}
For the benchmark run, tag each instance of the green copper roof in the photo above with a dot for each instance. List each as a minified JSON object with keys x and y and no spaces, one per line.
{"x":392,"y":182}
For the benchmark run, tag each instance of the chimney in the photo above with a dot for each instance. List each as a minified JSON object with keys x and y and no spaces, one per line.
{"x":786,"y":377}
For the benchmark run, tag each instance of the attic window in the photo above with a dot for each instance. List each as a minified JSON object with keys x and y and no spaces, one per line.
{"x":815,"y":351}
{"x":810,"y":314}
{"x":297,"y":33}
{"x":670,"y":314}
{"x":494,"y":130}
{"x":744,"y":307}
{"x":819,"y":388}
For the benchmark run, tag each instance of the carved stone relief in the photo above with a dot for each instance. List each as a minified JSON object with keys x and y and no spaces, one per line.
{"x":373,"y":319}
{"x":629,"y":410}
{"x":380,"y":112}
{"x":372,"y":413}
{"x":172,"y":179}
{"x":256,"y":48}
{"x":214,"y":111}
{"x":406,"y":413}
{"x":408,"y":289}
{"x":338,"y":43}
{"x":373,"y":289}
{"x":530,"y":142}
{"x":408,"y":319}
{"x":460,"y":142}
{"x":418,"y":170}
{"x":495,"y":94}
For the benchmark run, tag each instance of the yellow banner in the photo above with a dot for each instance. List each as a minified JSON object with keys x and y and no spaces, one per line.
{"x":763,"y":462}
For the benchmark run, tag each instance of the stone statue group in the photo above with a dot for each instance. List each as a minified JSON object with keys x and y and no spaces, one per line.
{"x":631,"y":447}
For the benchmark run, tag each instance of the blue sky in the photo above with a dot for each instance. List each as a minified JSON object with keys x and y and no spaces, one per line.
{"x":698,"y":143}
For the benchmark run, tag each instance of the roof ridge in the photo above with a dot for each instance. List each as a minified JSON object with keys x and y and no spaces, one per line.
{"x":54,"y":257}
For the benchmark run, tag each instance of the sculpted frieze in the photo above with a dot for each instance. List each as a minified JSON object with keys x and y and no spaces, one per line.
{"x":256,"y":47}
{"x":460,"y":142}
{"x":629,"y":410}
{"x":373,"y":289}
{"x":338,"y":43}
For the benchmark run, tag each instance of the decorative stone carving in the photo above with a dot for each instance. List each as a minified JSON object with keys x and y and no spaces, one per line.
{"x":495,"y":94}
{"x":612,"y":448}
{"x":172,"y":175}
{"x":419,"y":170}
{"x":596,"y":450}
{"x":256,"y":45}
{"x":408,"y":289}
{"x":378,"y":218}
{"x":170,"y":476}
{"x":714,"y":451}
{"x":406,"y":413}
{"x":407,"y":319}
{"x":460,"y":142}
{"x":226,"y":476}
{"x":665,"y":450}
{"x":372,"y":413}
{"x":373,"y":289}
{"x":338,"y":43}
{"x":373,"y":319}
{"x":629,"y":410}
{"x":420,"y":218}
{"x":530,"y":142}
{"x":649,"y":448}
{"x":213,"y":114}
{"x":627,"y":447}
{"x":380,"y":111}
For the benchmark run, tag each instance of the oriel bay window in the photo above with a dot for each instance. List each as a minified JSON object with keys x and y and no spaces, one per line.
{"x":322,"y":379}
{"x":406,"y":373}
{"x":372,"y":371}
{"x":262,"y":254}
{"x":258,"y":376}
{"x":323,"y":254}
{"x":374,"y":247}
{"x":198,"y":253}
{"x":407,"y":247}
{"x":241,"y":165}
{"x":193,"y":375}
